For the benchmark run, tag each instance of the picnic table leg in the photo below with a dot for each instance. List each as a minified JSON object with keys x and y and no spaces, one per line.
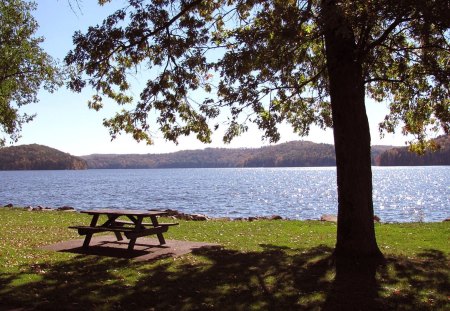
{"x":131,"y":243}
{"x":159,"y":235}
{"x":111,"y":220}
{"x":138,"y":225}
{"x":88,"y":237}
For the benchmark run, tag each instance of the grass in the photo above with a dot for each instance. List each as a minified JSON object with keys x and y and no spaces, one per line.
{"x":262,"y":265}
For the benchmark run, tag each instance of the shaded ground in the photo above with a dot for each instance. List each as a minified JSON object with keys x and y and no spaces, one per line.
{"x":214,"y":278}
{"x":145,"y":248}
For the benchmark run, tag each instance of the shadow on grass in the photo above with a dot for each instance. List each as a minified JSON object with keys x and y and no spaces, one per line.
{"x":220,"y":279}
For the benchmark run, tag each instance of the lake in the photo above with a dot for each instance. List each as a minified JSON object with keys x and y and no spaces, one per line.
{"x":401,"y":194}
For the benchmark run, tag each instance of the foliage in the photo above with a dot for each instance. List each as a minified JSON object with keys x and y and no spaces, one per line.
{"x":265,"y":61}
{"x":37,"y":157}
{"x":262,"y":265}
{"x":24,"y":66}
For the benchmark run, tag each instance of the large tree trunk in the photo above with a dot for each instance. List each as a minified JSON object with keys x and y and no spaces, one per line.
{"x":355,"y":228}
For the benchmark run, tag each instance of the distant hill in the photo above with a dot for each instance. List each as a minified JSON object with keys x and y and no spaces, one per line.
{"x":291,"y":154}
{"x":402,"y":157}
{"x":38,"y":157}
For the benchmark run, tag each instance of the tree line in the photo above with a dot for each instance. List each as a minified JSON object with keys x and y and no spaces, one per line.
{"x":290,"y":154}
{"x":38,"y":157}
{"x":403,"y":156}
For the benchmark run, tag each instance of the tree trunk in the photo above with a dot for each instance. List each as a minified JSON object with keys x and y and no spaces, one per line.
{"x":355,"y":228}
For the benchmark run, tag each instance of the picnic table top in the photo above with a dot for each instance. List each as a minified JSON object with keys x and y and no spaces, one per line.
{"x":123,"y":212}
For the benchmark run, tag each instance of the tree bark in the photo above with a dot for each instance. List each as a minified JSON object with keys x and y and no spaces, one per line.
{"x":355,"y":228}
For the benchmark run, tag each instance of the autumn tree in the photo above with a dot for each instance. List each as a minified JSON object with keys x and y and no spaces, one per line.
{"x":24,"y":66}
{"x":222,"y":63}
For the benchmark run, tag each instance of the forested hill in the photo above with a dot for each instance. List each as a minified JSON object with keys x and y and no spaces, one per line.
{"x":38,"y":157}
{"x":402,"y":157}
{"x":291,"y":154}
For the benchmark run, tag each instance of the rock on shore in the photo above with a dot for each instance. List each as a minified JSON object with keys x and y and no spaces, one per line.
{"x":44,"y":208}
{"x":199,"y":217}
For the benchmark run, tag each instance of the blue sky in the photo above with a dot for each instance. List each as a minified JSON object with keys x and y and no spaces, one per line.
{"x":64,"y":121}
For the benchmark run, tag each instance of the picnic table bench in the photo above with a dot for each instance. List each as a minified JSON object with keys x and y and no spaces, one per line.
{"x":132,"y":228}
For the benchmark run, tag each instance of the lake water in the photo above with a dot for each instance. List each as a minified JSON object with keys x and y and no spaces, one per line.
{"x":401,"y":194}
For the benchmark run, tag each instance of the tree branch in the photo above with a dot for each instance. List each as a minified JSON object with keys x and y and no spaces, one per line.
{"x":415,"y":48}
{"x":386,"y":33}
{"x":384,"y":80}
{"x":172,"y":20}
{"x":155,"y":31}
{"x":19,"y":73}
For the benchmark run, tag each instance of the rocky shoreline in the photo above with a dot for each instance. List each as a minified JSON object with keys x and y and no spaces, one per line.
{"x":194,"y":217}
{"x":200,"y":217}
{"x":170,"y":213}
{"x":43,"y":208}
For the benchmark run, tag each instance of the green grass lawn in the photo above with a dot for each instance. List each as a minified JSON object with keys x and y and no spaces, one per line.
{"x":261,"y":265}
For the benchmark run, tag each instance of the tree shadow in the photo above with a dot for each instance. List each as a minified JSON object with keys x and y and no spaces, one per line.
{"x":276,"y":278}
{"x":355,"y":286}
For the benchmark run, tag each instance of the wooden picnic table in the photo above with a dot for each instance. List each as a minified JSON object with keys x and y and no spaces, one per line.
{"x":132,"y":228}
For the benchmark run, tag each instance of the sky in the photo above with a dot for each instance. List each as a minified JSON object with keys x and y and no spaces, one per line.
{"x":65,"y":122}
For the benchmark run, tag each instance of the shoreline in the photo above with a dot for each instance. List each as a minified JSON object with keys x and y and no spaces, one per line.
{"x":201,"y":217}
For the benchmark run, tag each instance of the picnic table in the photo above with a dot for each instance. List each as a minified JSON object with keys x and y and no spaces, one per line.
{"x":132,"y":228}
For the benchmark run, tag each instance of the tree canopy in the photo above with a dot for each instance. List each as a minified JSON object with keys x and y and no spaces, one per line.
{"x":24,"y":66}
{"x":265,"y":61}
{"x":269,"y":61}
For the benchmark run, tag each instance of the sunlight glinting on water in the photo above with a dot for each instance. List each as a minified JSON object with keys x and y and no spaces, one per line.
{"x":400,"y":194}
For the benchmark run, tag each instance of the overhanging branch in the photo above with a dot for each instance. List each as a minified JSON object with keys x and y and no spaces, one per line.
{"x":378,"y":79}
{"x":166,"y":25}
{"x":386,"y":33}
